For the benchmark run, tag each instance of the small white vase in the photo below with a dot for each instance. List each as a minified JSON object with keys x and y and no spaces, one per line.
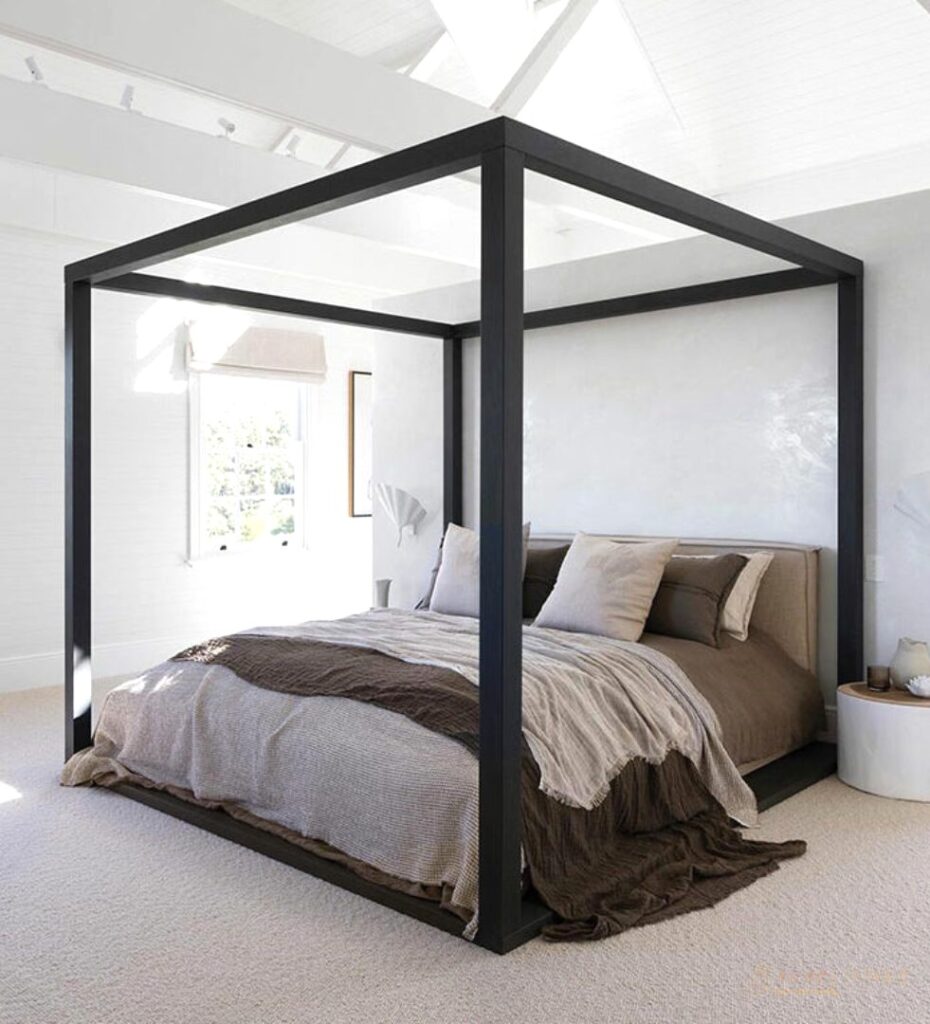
{"x":382,"y":593}
{"x":912,"y":658}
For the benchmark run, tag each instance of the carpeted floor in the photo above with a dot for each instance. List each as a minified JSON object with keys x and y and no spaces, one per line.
{"x":111,"y":912}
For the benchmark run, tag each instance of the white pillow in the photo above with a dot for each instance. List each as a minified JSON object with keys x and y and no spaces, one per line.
{"x":456,"y":591}
{"x":606,"y":587}
{"x":737,"y":612}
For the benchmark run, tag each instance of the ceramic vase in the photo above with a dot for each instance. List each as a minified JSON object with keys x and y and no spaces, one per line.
{"x":912,"y":658}
{"x":382,"y":593}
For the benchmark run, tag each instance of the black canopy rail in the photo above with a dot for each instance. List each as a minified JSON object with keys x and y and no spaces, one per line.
{"x":504,"y":150}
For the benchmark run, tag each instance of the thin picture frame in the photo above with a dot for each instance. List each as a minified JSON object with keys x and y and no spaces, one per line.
{"x":359,"y":467}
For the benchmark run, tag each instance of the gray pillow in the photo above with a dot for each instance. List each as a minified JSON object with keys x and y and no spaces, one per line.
{"x":456,"y":587}
{"x":691,"y":597}
{"x":542,"y":570}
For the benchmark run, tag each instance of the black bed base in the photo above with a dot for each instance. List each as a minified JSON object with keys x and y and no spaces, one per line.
{"x":534,"y":914}
{"x":778,"y":780}
{"x":772,"y":783}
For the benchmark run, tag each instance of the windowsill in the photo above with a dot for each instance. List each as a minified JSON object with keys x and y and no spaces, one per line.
{"x":246,"y":553}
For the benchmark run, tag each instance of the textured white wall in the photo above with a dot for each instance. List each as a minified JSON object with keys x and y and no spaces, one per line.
{"x":408,"y":454}
{"x":147,"y":601}
{"x":718,"y":420}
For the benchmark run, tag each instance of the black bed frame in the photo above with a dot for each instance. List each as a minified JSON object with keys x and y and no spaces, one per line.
{"x":503,"y":150}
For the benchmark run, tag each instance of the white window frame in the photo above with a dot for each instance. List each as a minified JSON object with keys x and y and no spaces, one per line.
{"x":196,"y":483}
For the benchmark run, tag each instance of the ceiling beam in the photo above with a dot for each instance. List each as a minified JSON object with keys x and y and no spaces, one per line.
{"x":43,"y":127}
{"x":528,"y":77}
{"x":228,"y":54}
{"x":425,"y":62}
{"x":490,"y":35}
{"x":218,"y":50}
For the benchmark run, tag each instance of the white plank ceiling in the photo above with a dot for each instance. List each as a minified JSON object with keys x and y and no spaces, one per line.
{"x":715,"y":94}
{"x":776,"y":86}
{"x":392,"y":32}
{"x":734,"y":98}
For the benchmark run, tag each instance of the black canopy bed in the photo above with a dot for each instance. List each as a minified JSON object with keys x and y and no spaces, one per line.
{"x":504,"y":150}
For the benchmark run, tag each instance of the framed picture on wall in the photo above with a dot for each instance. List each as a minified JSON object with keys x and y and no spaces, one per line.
{"x":359,"y":443}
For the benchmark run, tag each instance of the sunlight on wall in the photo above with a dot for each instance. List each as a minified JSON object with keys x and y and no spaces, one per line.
{"x":161,"y":356}
{"x":912,"y":504}
{"x":801,"y":431}
{"x":216,"y":329}
{"x":156,"y":323}
{"x":8,"y":793}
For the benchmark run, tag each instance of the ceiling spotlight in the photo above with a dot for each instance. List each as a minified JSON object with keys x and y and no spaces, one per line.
{"x":34,"y":70}
{"x":129,"y":94}
{"x":227,"y":126}
{"x":293,"y":144}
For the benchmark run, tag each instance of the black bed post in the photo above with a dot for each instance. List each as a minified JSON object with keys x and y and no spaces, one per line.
{"x":77,"y":516}
{"x":850,"y":656}
{"x":501,"y":509}
{"x":452,"y":430}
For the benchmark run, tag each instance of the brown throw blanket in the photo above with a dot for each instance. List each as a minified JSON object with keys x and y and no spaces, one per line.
{"x":657,"y":846}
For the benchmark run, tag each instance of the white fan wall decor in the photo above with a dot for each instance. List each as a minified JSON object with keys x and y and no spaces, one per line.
{"x":403,"y":509}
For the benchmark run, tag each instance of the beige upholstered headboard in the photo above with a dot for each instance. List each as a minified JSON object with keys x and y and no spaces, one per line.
{"x":786,"y":607}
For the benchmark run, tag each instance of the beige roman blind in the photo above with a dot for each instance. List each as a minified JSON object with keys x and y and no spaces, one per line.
{"x":257,"y":351}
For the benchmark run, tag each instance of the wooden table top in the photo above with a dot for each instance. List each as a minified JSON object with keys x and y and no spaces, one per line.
{"x":892,"y":696}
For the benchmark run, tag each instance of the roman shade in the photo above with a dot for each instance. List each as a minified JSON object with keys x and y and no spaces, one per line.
{"x":258,"y":351}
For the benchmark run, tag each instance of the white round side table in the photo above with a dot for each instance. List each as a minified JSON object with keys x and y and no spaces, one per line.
{"x":884,"y":742}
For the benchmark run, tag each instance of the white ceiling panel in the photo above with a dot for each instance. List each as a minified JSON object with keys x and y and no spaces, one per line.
{"x":389,"y":31}
{"x":776,"y":86}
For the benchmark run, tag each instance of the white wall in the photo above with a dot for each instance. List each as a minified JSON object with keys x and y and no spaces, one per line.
{"x":408,"y":454}
{"x":718,"y":420}
{"x":147,"y":601}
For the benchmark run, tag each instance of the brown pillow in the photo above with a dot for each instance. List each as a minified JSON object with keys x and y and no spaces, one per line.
{"x":542,"y":570}
{"x":690,"y":599}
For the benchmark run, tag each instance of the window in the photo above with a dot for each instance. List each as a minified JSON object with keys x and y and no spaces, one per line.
{"x":247,"y":462}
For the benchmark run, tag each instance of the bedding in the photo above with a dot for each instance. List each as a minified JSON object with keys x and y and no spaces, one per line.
{"x":455,"y":589}
{"x":691,"y":597}
{"x":617,"y":742}
{"x":606,"y":587}
{"x":737,"y":612}
{"x":767,"y":705}
{"x":542,"y":570}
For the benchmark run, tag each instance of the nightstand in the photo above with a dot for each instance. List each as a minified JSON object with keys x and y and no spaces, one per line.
{"x":884,"y":742}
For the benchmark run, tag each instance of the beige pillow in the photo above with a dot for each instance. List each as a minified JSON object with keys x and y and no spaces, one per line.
{"x":456,"y":591}
{"x":606,"y":587}
{"x":737,"y":612}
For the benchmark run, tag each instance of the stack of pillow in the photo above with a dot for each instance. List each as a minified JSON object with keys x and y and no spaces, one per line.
{"x":610,"y":588}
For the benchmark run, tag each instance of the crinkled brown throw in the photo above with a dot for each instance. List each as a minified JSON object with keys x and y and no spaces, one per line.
{"x":657,"y":846}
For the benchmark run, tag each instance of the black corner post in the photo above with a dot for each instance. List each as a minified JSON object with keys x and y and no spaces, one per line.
{"x":77,"y":516}
{"x":850,"y":656}
{"x":452,"y":430}
{"x":501,"y":510}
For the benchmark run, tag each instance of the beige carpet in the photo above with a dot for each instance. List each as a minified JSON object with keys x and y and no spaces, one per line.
{"x":111,"y":912}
